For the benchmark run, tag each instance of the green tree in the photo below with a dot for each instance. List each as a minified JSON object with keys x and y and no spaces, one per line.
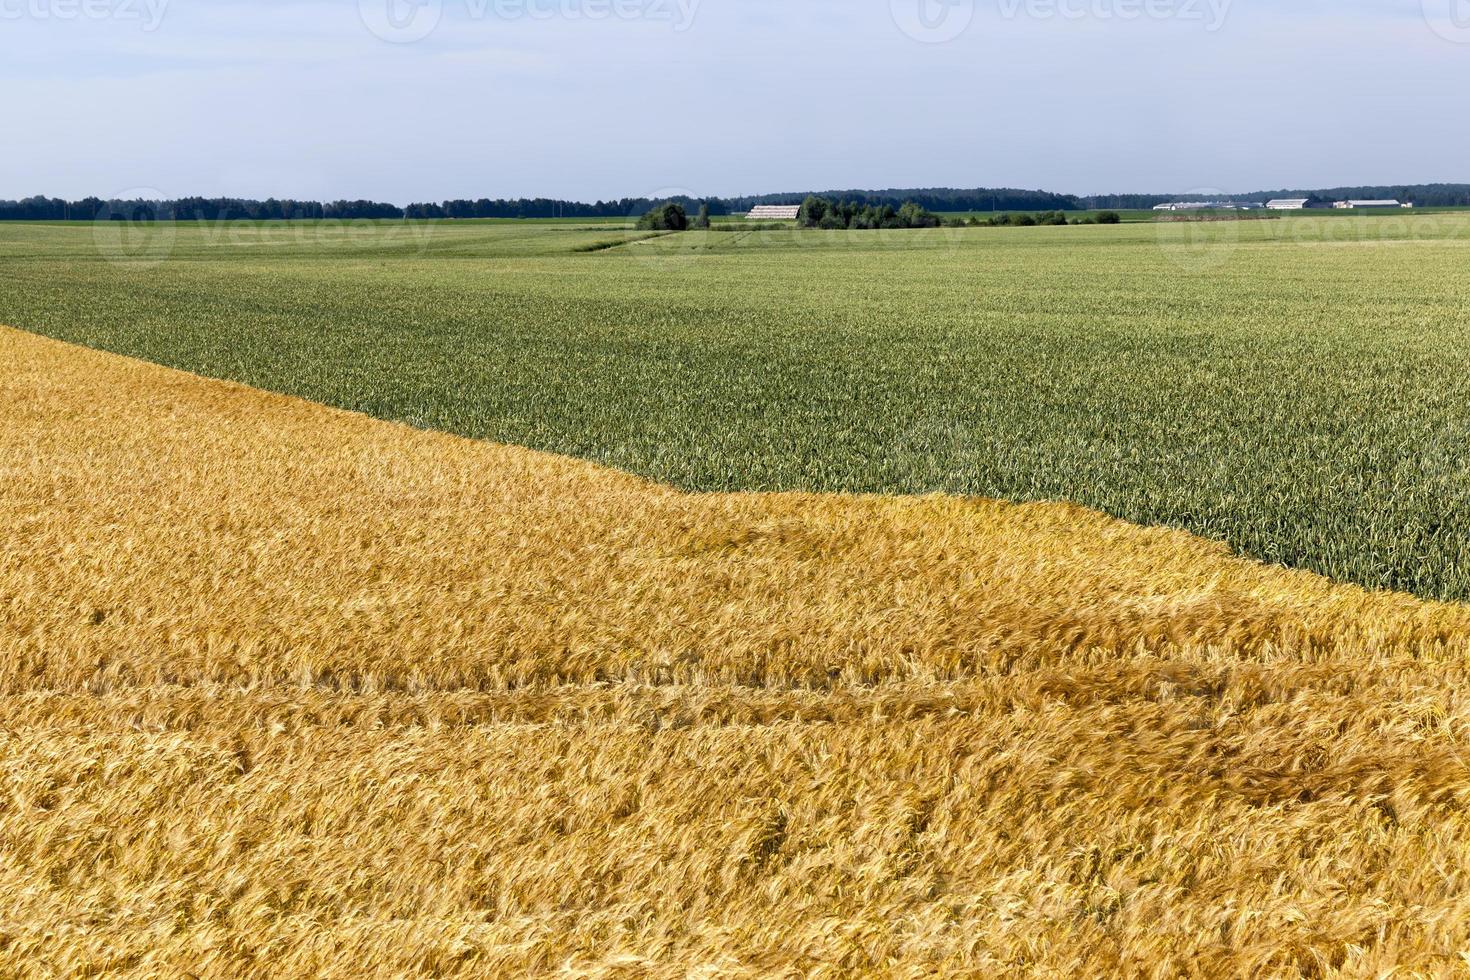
{"x":911,"y":215}
{"x":665,"y":217}
{"x":813,"y":210}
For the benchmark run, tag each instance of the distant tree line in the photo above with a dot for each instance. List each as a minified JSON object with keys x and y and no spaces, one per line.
{"x":190,"y":209}
{"x":542,"y":207}
{"x":931,"y":199}
{"x":232,"y":209}
{"x":229,"y":209}
{"x":819,"y":212}
{"x":980,"y":199}
{"x":1423,"y":195}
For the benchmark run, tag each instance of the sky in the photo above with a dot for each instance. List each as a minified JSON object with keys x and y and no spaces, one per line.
{"x":426,"y":100}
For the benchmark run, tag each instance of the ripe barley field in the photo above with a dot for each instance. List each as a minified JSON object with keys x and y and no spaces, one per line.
{"x":1297,"y":388}
{"x":291,"y":691}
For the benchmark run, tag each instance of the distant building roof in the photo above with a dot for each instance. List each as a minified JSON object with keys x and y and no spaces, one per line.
{"x":1288,"y":202}
{"x":783,"y":212}
{"x":1374,"y":204}
{"x":1198,"y":206}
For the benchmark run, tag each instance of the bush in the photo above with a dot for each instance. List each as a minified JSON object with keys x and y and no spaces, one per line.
{"x":910,"y":215}
{"x":665,"y":217}
{"x":813,"y":210}
{"x":1109,"y":217}
{"x":818,"y":212}
{"x":702,"y":221}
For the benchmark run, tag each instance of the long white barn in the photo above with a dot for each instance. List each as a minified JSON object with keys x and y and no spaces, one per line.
{"x":774,"y":212}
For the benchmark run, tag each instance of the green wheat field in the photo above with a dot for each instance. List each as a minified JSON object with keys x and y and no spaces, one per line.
{"x":1298,"y":388}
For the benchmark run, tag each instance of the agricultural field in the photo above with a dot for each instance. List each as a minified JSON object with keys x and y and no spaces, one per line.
{"x":1298,"y":389}
{"x":289,"y":691}
{"x":501,"y":599}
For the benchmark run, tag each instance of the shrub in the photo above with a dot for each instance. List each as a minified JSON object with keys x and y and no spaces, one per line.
{"x":910,"y":215}
{"x":818,"y":212}
{"x":813,"y":210}
{"x":665,"y":217}
{"x":1108,"y":218}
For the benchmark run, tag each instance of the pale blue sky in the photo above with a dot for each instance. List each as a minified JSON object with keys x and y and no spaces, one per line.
{"x":272,"y":97}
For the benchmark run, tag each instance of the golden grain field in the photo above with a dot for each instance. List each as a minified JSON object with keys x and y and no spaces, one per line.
{"x":286,"y":691}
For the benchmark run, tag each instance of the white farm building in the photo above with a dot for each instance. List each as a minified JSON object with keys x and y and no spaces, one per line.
{"x":1206,"y":206}
{"x":1370,"y":204}
{"x":773,"y":212}
{"x":1287,"y":204}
